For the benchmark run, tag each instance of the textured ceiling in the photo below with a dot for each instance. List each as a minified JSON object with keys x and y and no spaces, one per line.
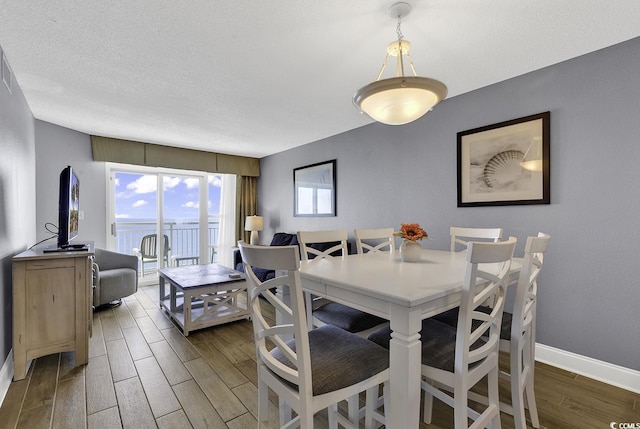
{"x":259,"y":77}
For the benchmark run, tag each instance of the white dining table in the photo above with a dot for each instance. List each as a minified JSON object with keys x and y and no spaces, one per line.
{"x":403,"y":293}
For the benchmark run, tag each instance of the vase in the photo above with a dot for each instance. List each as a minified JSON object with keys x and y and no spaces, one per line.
{"x":410,"y":251}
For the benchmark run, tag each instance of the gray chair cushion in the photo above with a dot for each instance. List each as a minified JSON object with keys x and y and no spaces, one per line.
{"x":339,"y":359}
{"x":451,"y":318}
{"x":346,"y":318}
{"x":438,"y":343}
{"x":115,"y":284}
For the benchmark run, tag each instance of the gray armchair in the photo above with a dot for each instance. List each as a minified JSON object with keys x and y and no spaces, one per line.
{"x":115,"y":276}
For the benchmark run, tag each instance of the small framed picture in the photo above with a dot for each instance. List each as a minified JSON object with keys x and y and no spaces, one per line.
{"x":505,"y":164}
{"x":314,"y":189}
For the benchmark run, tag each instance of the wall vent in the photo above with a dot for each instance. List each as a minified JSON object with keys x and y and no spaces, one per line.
{"x":5,"y":70}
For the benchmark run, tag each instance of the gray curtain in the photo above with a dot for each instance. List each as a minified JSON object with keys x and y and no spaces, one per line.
{"x":246,"y":203}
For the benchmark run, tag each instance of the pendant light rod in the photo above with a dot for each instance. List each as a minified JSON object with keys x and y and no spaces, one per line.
{"x":399,"y":9}
{"x":400,"y":68}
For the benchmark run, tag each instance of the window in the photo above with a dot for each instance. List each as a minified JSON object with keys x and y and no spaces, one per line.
{"x":184,"y":206}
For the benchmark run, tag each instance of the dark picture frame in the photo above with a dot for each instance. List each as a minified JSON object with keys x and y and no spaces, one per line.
{"x":505,"y":163}
{"x":315,"y":190}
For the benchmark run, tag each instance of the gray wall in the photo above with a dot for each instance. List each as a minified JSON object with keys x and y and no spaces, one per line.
{"x":57,"y":147}
{"x":588,"y":300}
{"x":589,"y":297}
{"x":17,"y":196}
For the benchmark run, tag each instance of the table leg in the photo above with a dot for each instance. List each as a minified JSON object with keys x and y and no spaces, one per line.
{"x":186,"y":306}
{"x":172,"y":297}
{"x":405,"y":361}
{"x":161,"y":289}
{"x":281,"y":318}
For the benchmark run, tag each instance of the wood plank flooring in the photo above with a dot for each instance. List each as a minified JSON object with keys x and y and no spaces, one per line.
{"x":143,"y":373}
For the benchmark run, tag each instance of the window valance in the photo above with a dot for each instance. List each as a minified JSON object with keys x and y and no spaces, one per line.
{"x":153,"y":155}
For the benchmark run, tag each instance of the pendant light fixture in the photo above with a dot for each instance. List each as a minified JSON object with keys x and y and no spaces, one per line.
{"x":400,"y":99}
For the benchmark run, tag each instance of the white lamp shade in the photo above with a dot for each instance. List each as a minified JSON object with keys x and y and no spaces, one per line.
{"x":399,"y":100}
{"x":254,"y":223}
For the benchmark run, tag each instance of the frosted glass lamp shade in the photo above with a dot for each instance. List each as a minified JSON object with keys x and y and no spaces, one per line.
{"x":399,"y":100}
{"x":254,"y":224}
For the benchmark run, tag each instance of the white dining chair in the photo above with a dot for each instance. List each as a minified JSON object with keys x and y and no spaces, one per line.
{"x":314,"y":246}
{"x":520,"y":342}
{"x":322,"y":244}
{"x":374,"y":240}
{"x":318,"y":245}
{"x":462,"y":236}
{"x":309,"y":370}
{"x":455,"y":359}
{"x":517,"y":336}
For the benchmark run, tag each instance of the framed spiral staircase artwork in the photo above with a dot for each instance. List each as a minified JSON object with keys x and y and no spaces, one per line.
{"x":505,"y":164}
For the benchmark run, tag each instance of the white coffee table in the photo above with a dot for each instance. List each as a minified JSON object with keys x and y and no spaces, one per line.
{"x":201,"y":296}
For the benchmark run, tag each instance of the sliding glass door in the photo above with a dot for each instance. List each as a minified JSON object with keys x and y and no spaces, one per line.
{"x":165,"y":217}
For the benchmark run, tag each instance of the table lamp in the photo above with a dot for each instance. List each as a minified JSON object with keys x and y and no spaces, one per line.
{"x":254,"y":224}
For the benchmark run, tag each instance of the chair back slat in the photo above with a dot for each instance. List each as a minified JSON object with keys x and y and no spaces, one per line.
{"x":307,"y":238}
{"x":462,"y":236}
{"x":378,"y":239}
{"x":149,"y":246}
{"x":268,"y":332}
{"x":485,"y":280}
{"x":524,"y":308}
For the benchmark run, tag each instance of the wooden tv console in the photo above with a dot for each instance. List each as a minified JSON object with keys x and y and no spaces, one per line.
{"x":52,"y":305}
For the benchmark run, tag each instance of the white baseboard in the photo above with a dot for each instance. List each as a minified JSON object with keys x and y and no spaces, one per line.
{"x":615,"y":375}
{"x":6,"y":375}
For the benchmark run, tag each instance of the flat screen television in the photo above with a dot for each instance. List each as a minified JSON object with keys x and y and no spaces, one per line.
{"x":68,"y":207}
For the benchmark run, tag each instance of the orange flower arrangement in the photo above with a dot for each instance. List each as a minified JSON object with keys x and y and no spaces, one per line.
{"x":411,"y":231}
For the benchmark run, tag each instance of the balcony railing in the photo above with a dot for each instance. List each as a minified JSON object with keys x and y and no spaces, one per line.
{"x":184,"y":239}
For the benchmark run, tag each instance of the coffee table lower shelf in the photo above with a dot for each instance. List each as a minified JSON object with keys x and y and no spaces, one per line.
{"x":199,"y":306}
{"x":200,"y":318}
